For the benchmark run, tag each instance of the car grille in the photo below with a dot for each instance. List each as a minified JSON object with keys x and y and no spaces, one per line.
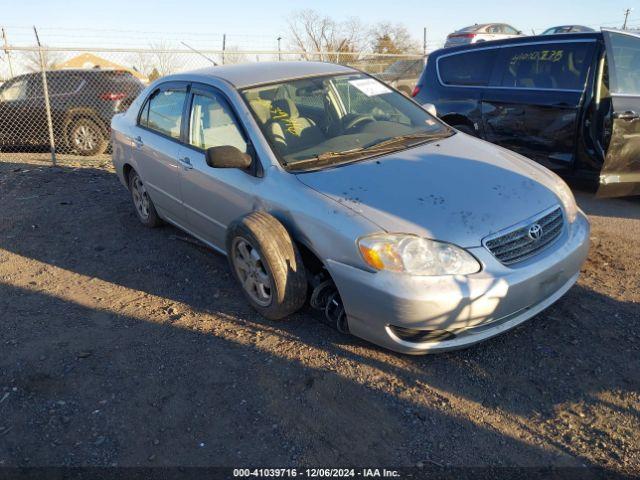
{"x":525,"y":241}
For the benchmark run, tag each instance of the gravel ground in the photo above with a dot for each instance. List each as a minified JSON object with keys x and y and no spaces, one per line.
{"x":127,"y":346}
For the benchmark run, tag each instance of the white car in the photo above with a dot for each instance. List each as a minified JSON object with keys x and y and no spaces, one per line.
{"x":481,"y":33}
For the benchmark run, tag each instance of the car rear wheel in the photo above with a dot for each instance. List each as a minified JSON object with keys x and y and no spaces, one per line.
{"x":85,"y":137}
{"x":145,"y":210}
{"x":267,"y":265}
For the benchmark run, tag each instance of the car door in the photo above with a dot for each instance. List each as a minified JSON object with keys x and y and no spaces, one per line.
{"x":620,"y":174}
{"x":157,"y":148}
{"x":534,"y":101}
{"x":214,"y":197}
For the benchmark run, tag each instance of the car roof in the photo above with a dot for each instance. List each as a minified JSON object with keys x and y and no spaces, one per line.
{"x":562,"y":37}
{"x":479,"y":26}
{"x":250,"y":74}
{"x":582,"y":27}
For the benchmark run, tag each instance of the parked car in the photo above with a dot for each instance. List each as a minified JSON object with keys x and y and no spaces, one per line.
{"x":570,"y":101}
{"x":314,"y":177}
{"x":481,"y":33}
{"x":403,"y":74}
{"x":82,"y":104}
{"x":567,"y":29}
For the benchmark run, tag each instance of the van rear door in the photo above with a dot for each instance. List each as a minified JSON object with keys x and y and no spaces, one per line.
{"x":533,"y":103}
{"x":620,"y":174}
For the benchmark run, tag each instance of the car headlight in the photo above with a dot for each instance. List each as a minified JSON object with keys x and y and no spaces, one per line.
{"x":415,"y":255}
{"x":568,"y":201}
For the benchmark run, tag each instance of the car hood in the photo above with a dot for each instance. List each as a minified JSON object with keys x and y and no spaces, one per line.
{"x":459,"y":189}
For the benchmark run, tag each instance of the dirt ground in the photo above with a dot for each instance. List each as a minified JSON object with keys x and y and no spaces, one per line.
{"x":127,"y":346}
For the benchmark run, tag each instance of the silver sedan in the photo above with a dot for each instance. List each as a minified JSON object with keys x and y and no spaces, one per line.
{"x":323,"y":185}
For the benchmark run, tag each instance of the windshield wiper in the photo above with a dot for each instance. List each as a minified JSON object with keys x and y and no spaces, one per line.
{"x":409,"y":136}
{"x":384,"y":146}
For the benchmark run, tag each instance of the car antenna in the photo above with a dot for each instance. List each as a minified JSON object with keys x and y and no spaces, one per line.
{"x":200,"y":53}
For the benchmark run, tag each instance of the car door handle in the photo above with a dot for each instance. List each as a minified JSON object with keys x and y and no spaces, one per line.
{"x":186,"y":163}
{"x":629,"y":115}
{"x":138,"y":141}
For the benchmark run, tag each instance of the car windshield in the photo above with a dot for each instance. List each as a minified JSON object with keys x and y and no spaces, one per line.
{"x":320,"y":121}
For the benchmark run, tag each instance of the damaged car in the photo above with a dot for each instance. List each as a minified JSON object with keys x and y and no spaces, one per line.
{"x":569,"y":101}
{"x":324,"y":186}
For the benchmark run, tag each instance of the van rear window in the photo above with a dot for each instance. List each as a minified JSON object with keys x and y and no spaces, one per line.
{"x":562,"y":66}
{"x":467,"y":69}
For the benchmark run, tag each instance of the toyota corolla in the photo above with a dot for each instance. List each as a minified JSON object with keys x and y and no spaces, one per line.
{"x":323,"y":185}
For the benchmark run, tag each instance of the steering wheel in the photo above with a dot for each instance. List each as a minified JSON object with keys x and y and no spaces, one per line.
{"x":357,"y":120}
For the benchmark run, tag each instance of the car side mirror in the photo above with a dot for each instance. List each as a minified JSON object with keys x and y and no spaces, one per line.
{"x":431,"y":108}
{"x":227,"y":156}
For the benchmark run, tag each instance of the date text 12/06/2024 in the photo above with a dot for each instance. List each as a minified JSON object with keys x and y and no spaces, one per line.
{"x":316,"y":472}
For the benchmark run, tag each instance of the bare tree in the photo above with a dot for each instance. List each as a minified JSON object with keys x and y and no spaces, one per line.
{"x":393,"y":39}
{"x":160,"y":60}
{"x":31,"y":60}
{"x":315,"y":34}
{"x":232,"y":54}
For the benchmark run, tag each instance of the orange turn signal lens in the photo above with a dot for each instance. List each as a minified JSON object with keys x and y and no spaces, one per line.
{"x":372,"y":257}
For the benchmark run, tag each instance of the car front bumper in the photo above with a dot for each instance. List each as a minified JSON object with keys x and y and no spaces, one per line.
{"x":468,"y":309}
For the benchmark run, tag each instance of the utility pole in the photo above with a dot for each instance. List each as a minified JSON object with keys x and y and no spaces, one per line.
{"x":6,"y":51}
{"x":626,"y":17}
{"x":47,"y":105}
{"x":224,"y":45}
{"x":424,"y":42}
{"x":279,"y":54}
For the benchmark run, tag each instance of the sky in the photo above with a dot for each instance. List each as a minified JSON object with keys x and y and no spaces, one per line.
{"x":257,"y":23}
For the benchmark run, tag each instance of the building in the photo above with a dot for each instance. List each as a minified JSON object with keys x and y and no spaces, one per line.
{"x":89,"y":60}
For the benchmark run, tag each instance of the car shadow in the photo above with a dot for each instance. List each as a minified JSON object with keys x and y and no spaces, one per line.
{"x":103,"y":388}
{"x":623,"y":207}
{"x":255,"y":404}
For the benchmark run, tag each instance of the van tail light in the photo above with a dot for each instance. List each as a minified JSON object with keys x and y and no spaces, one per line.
{"x":113,"y":96}
{"x":416,"y":90}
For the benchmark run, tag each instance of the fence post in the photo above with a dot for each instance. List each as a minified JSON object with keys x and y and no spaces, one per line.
{"x":6,"y":51}
{"x":47,"y":105}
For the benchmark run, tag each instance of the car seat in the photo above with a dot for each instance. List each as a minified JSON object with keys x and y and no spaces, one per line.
{"x":289,"y":130}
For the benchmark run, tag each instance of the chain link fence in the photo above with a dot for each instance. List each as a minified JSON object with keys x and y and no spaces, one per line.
{"x":60,"y":101}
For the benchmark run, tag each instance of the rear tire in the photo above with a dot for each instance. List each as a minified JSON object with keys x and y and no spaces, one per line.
{"x":144,"y":207}
{"x":267,"y":264}
{"x":86,"y":138}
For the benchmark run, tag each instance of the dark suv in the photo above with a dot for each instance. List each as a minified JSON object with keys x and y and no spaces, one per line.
{"x":569,"y":101}
{"x":82,"y":104}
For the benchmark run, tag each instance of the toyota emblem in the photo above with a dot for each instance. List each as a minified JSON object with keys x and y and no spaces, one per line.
{"x":535,"y":232}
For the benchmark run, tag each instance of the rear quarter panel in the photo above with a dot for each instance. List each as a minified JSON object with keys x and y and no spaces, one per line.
{"x":121,"y":146}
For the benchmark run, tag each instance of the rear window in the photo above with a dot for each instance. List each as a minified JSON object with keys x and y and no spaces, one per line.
{"x":549,"y":66}
{"x":163,"y":112}
{"x":467,"y":69}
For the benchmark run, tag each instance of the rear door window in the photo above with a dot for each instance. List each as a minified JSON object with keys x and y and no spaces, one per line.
{"x":165,"y":111}
{"x":13,"y":91}
{"x":467,"y":69}
{"x":556,"y":66}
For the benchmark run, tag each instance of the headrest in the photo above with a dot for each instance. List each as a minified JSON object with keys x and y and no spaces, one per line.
{"x":283,"y":108}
